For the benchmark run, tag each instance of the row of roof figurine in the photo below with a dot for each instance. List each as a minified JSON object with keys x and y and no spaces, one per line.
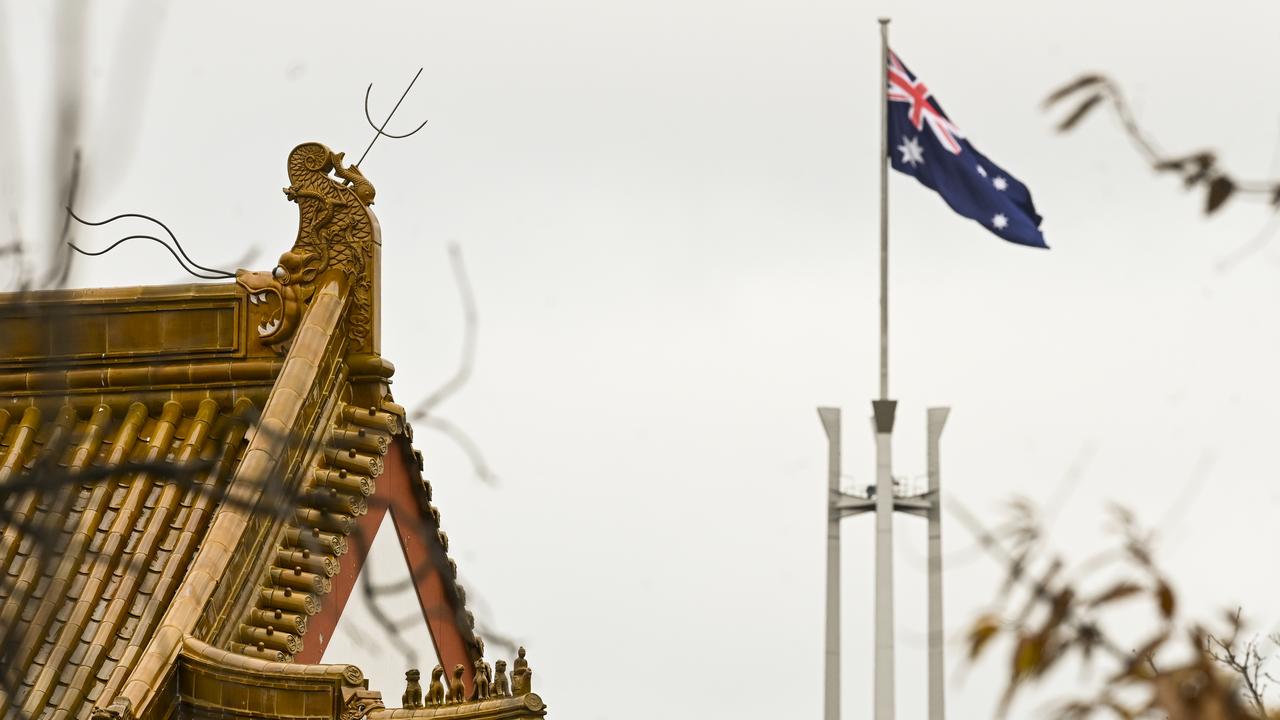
{"x":489,"y":682}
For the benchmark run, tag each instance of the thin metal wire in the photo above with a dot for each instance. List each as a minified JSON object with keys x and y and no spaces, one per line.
{"x":162,"y":243}
{"x":174,"y":238}
{"x":380,"y":130}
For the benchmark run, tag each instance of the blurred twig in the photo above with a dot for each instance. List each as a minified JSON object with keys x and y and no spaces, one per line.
{"x":425,"y":413}
{"x":1197,"y":169}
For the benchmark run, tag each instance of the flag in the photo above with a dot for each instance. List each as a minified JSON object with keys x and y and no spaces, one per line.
{"x":925,"y":144}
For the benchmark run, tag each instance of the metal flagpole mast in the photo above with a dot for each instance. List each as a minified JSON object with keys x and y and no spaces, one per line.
{"x":884,"y":415}
{"x":884,"y":210}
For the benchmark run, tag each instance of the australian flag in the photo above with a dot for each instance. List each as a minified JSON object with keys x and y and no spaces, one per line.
{"x":941,"y":159}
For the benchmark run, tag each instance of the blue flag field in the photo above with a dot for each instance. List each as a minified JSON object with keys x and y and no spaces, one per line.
{"x":925,"y":144}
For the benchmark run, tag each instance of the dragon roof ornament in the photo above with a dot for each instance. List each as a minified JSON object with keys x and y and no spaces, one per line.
{"x":337,"y":232}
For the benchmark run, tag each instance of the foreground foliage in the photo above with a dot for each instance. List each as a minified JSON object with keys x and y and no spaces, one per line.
{"x":1115,"y":616}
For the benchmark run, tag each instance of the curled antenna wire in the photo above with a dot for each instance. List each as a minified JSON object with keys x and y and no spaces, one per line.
{"x":212,"y":273}
{"x":164,"y":244}
{"x":380,"y":130}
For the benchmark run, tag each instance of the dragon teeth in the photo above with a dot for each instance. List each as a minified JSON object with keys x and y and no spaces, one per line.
{"x":268,"y":327}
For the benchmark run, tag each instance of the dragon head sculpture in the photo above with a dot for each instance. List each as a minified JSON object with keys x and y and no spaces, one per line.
{"x":335,"y":230}
{"x":283,"y":292}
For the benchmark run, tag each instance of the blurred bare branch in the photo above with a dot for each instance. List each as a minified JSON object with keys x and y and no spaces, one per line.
{"x":425,"y":412}
{"x":1196,"y":169}
{"x":69,"y":50}
{"x":467,"y":360}
{"x":1244,"y":660}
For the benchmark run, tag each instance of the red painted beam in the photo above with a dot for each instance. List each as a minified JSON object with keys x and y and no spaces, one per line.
{"x":416,"y":531}
{"x":321,"y":626}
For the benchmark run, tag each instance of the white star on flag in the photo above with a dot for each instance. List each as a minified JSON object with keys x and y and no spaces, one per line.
{"x":912,"y":153}
{"x":1000,"y":183}
{"x":1000,"y":222}
{"x":982,"y":171}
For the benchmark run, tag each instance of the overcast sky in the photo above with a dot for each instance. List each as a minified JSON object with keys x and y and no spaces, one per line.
{"x":668,"y":209}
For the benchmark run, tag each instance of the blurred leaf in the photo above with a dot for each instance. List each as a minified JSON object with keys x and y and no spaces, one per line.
{"x":1119,"y":591}
{"x":1164,"y":595}
{"x":1219,"y":190}
{"x":1078,"y":114}
{"x":1062,"y":605}
{"x":984,"y":628}
{"x":1079,"y":83}
{"x":1026,"y":660}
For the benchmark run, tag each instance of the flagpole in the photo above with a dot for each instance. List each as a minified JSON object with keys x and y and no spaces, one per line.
{"x":884,"y":415}
{"x":884,"y":210}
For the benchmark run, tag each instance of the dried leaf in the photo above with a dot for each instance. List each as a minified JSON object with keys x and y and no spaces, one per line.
{"x":1079,"y":83}
{"x":1026,"y":659}
{"x":1119,"y":591}
{"x":1062,"y":602}
{"x":1219,"y":190}
{"x":1164,"y":595}
{"x":1078,"y":114}
{"x":984,"y":628}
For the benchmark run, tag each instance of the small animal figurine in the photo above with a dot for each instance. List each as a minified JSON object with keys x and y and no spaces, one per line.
{"x":457,"y":691}
{"x":501,"y":686}
{"x":480,"y":688}
{"x":435,"y":692}
{"x":412,"y":697}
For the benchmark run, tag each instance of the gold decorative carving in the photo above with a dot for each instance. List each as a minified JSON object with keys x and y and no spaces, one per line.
{"x":457,"y":690}
{"x":359,"y":703}
{"x":481,"y":680}
{"x":435,"y":692}
{"x":336,"y":231}
{"x":412,"y":697}
{"x":501,"y":686}
{"x":119,"y":709}
{"x":521,"y":675}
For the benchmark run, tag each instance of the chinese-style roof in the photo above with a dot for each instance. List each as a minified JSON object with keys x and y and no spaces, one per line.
{"x":191,"y":477}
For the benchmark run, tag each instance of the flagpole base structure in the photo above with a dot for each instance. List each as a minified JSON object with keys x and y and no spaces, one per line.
{"x":831,"y":696}
{"x":883,"y":499}
{"x":884,"y":655}
{"x":937,"y":419}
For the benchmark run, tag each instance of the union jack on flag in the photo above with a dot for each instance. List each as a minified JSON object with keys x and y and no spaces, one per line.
{"x":942,"y":159}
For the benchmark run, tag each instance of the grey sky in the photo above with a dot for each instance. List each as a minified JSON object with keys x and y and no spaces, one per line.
{"x":669,"y":213}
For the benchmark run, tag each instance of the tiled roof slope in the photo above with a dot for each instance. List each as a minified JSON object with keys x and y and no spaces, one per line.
{"x":91,"y":565}
{"x":190,"y":477}
{"x":117,"y":442}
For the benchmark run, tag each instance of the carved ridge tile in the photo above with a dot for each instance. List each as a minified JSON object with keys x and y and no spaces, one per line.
{"x":336,"y":232}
